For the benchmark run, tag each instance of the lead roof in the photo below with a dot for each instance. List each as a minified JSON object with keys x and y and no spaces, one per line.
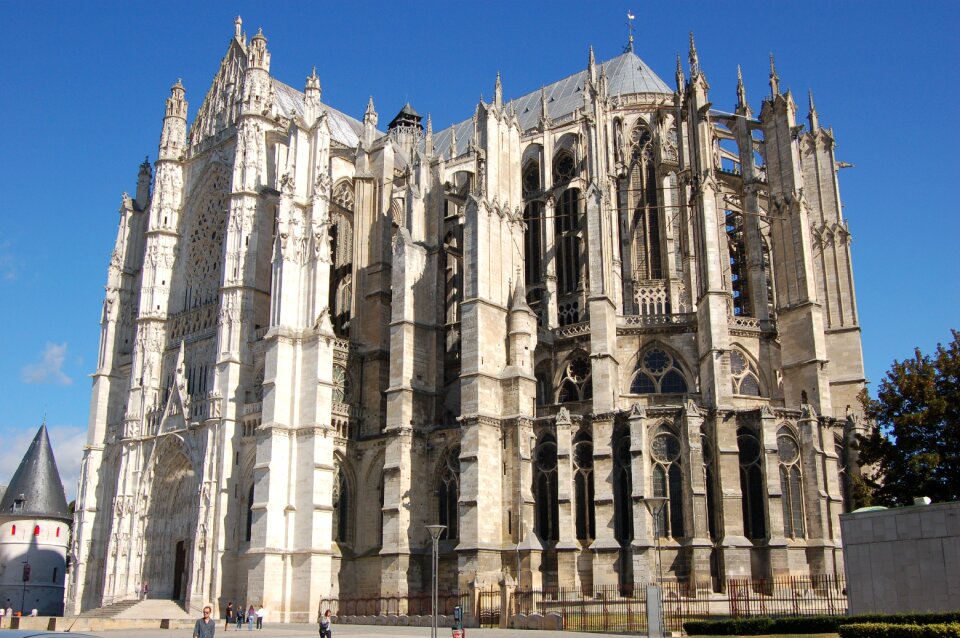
{"x":38,"y":482}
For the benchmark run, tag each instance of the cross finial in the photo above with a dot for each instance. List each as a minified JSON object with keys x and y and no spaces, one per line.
{"x":630,"y":19}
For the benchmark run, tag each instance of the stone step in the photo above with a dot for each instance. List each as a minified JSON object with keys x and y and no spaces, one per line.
{"x":154,"y":608}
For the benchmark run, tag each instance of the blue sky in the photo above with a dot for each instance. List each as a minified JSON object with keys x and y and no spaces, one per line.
{"x":84,"y":86}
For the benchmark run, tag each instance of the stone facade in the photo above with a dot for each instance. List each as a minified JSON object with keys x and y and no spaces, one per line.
{"x":319,"y":337}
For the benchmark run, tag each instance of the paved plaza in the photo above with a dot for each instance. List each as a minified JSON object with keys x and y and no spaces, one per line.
{"x":354,"y":631}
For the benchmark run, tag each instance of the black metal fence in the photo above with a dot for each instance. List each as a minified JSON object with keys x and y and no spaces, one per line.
{"x":616,"y":608}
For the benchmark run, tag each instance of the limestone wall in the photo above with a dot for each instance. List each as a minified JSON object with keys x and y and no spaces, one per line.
{"x":903,"y":560}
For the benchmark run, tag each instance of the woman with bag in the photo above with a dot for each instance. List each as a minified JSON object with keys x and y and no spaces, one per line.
{"x":326,"y":628}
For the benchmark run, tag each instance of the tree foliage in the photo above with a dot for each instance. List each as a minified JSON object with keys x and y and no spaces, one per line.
{"x":914,"y":445}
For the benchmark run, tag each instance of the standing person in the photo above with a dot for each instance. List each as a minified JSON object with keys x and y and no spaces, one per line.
{"x":251,"y":617}
{"x":229,"y":616}
{"x":3,"y":612}
{"x":239,"y":617}
{"x":205,"y":626}
{"x":146,"y":590}
{"x":260,"y":614}
{"x":326,"y":628}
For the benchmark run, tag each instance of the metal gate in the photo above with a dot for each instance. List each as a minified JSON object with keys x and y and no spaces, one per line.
{"x":489,"y":607}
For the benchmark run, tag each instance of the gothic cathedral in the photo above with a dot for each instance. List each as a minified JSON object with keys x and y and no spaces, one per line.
{"x":600,"y":318}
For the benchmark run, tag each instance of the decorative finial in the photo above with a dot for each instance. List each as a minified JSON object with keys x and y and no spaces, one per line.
{"x":694,"y":60}
{"x":630,"y":18}
{"x":238,"y":28}
{"x":370,"y":110}
{"x":592,"y":66}
{"x":497,"y":92}
{"x":543,"y":104}
{"x":774,"y":79}
{"x":681,"y":80}
{"x":813,"y":117}
{"x":429,"y":125}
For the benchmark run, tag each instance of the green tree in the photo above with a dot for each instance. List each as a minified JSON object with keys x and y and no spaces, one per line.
{"x":914,"y":445}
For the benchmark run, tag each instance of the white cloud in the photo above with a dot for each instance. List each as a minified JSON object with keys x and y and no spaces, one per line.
{"x":49,"y":368}
{"x":67,"y":441}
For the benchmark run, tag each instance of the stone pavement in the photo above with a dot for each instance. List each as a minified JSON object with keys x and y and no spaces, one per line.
{"x":343,"y":631}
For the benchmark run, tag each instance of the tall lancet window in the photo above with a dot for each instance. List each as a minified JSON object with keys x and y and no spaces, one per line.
{"x":448,"y":494}
{"x":583,"y":487}
{"x":567,"y":227}
{"x":643,"y":195}
{"x":545,"y":489}
{"x":341,"y":257}
{"x":341,"y":507}
{"x":623,"y":490}
{"x":668,"y":482}
{"x":736,"y":247}
{"x":452,"y":265}
{"x":751,"y":484}
{"x":533,"y":254}
{"x":791,"y":483}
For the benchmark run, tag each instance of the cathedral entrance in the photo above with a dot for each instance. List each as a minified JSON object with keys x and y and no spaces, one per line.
{"x":179,"y":575}
{"x":172,"y":514}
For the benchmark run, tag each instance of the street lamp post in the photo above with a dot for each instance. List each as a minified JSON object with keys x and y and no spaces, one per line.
{"x":435,"y":531}
{"x":655,"y":505}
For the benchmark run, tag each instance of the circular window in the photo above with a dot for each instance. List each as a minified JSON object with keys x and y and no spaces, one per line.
{"x":565,"y":168}
{"x":787,"y":448}
{"x":665,"y":448}
{"x":737,"y":363}
{"x":547,"y":456}
{"x":656,"y":361}
{"x":583,"y":455}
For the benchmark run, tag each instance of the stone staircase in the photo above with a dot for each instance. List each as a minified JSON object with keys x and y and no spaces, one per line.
{"x":149,"y":609}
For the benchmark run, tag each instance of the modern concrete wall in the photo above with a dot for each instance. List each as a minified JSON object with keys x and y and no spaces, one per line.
{"x":905,"y":559}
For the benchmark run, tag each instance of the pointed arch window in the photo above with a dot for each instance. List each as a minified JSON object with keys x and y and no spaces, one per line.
{"x":452,"y":257}
{"x":623,"y":490}
{"x":448,"y":494}
{"x":668,"y":483}
{"x":751,"y":484}
{"x":533,"y":244}
{"x":576,"y":384}
{"x":583,"y":487}
{"x":743,"y":375}
{"x":657,"y":372}
{"x":249,"y":530}
{"x":531,"y":178}
{"x":567,"y":228}
{"x":342,"y":384}
{"x":737,"y":250}
{"x":341,"y":507}
{"x":545,"y":489}
{"x":791,"y":483}
{"x":643,"y":195}
{"x":710,"y":481}
{"x":341,"y":257}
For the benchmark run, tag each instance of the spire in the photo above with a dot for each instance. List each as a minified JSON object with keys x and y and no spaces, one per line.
{"x":694,"y":60}
{"x":681,"y":80}
{"x":428,"y":137}
{"x":741,"y":92}
{"x":311,"y":100}
{"x":813,"y":117}
{"x":774,"y":80}
{"x":592,"y":66}
{"x":238,"y":28}
{"x":453,"y":141}
{"x":174,"y":135}
{"x":630,"y":18}
{"x":143,"y":184}
{"x":544,"y":114}
{"x":497,"y":92}
{"x":176,"y":104}
{"x":36,"y":489}
{"x":603,"y":81}
{"x":369,"y":123}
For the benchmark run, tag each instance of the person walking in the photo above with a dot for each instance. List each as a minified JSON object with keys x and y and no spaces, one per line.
{"x":239,"y":617}
{"x":251,"y":617}
{"x":326,"y":627}
{"x":228,"y":616}
{"x":205,"y":626}
{"x":260,"y":614}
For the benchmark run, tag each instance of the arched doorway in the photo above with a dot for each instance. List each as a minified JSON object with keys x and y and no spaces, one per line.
{"x":171,"y":523}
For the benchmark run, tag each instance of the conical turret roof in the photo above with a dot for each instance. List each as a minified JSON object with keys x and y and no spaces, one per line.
{"x":36,"y":489}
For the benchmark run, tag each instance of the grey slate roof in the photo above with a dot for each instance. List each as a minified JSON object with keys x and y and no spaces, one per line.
{"x":343,"y":128}
{"x":626,"y":74}
{"x":38,"y":481}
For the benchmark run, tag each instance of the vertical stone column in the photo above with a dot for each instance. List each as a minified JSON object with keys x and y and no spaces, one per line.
{"x":735,"y":546}
{"x":605,"y":548}
{"x":550,"y":252}
{"x":816,"y":498}
{"x":603,"y":317}
{"x":644,"y":551}
{"x":481,"y":524}
{"x":567,"y":546}
{"x":779,"y":558}
{"x":529,"y":548}
{"x":695,"y":497}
